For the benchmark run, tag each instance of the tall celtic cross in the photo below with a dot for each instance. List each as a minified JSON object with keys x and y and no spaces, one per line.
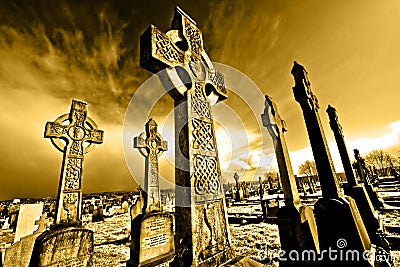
{"x":190,"y":78}
{"x":75,"y":129}
{"x":150,"y":145}
{"x":339,"y":137}
{"x":277,"y":127}
{"x":309,"y":103}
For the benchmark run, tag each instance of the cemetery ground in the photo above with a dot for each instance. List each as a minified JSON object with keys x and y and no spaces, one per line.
{"x":255,"y":238}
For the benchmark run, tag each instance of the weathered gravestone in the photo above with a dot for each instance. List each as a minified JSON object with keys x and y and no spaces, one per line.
{"x":152,"y":235}
{"x":336,"y":215}
{"x":19,"y":254}
{"x":64,"y":247}
{"x":66,"y":243}
{"x":28,"y":215}
{"x":239,"y":191}
{"x":296,"y":222}
{"x":353,"y":189}
{"x":363,"y":172}
{"x":202,"y":234}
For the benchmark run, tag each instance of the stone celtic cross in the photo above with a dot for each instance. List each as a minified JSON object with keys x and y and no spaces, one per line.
{"x":179,"y":59}
{"x":75,"y":129}
{"x":339,"y":137}
{"x":150,"y":145}
{"x":309,"y":103}
{"x":277,"y":127}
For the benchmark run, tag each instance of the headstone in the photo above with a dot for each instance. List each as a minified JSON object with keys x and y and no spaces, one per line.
{"x":64,"y":247}
{"x":202,"y":234}
{"x":353,"y":189}
{"x":77,"y":129}
{"x":362,"y":172}
{"x":28,"y":215}
{"x":125,"y":206}
{"x":261,"y":188}
{"x":239,"y":191}
{"x":337,"y":216}
{"x":19,"y":254}
{"x":296,"y":222}
{"x":152,"y":235}
{"x":6,"y":224}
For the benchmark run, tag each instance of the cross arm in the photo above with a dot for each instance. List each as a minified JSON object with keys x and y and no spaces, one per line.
{"x":95,"y":136}
{"x":139,"y":141}
{"x":164,"y":146}
{"x":54,"y":129}
{"x":157,"y":51}
{"x":271,"y":118}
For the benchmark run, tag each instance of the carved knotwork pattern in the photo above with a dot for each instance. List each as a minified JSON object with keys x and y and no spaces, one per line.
{"x":154,"y":169}
{"x":194,"y":38}
{"x":206,"y":175}
{"x":203,"y":136}
{"x":218,"y":80}
{"x":70,"y":198}
{"x":200,"y":104}
{"x":76,"y":148}
{"x":73,"y":173}
{"x":79,"y":114}
{"x":58,"y":129}
{"x":165,"y":49}
{"x":95,"y":135}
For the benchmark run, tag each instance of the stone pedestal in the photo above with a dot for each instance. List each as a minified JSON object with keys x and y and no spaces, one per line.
{"x":63,"y":247}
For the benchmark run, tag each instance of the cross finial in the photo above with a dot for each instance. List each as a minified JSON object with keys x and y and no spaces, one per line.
{"x":180,"y":51}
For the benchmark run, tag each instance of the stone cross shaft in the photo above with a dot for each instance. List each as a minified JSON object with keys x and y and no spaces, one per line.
{"x":75,"y":129}
{"x":150,"y":145}
{"x":184,"y":68}
{"x":277,"y":128}
{"x":360,"y":167}
{"x":339,"y":136}
{"x":309,"y":104}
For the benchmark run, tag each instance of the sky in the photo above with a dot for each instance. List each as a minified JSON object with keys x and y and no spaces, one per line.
{"x":53,"y":52}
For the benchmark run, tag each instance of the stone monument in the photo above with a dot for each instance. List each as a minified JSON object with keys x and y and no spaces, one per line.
{"x":239,"y":191}
{"x":353,"y":189}
{"x":336,"y":215}
{"x":67,"y":243}
{"x":362,"y":172}
{"x":296,"y":222}
{"x":78,"y":130}
{"x":19,"y":254}
{"x":27,"y":217}
{"x":152,"y":235}
{"x":202,"y":234}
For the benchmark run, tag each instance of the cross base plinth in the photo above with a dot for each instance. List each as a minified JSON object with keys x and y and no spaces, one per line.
{"x":297,"y":232}
{"x":368,"y":214}
{"x":208,"y":244}
{"x":340,"y":227}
